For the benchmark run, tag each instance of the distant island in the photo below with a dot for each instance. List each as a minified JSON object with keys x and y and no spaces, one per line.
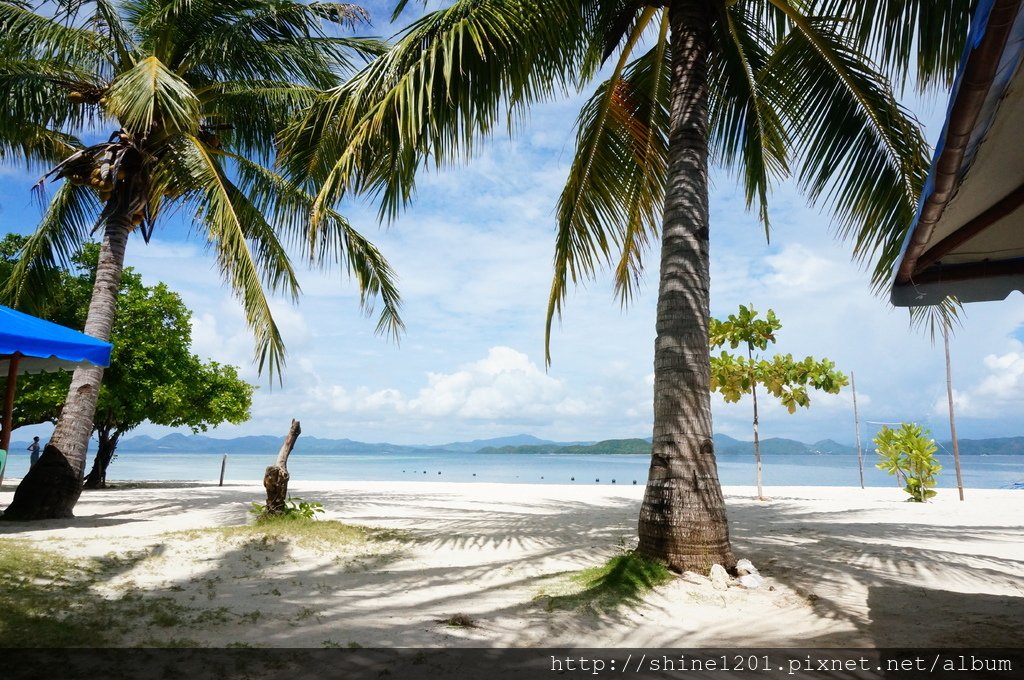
{"x":775,"y":446}
{"x":523,"y":444}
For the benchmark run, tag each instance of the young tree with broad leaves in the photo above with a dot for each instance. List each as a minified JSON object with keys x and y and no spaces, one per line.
{"x":153,"y":375}
{"x":187,"y":97}
{"x":782,"y":376}
{"x":768,"y":89}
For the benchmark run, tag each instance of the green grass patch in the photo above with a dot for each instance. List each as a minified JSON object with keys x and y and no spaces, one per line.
{"x":48,"y":600}
{"x":39,"y":594}
{"x":272,"y":531}
{"x":620,"y":581}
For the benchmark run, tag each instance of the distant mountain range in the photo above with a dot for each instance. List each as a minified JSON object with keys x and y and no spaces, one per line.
{"x":723,"y":444}
{"x":520,"y":444}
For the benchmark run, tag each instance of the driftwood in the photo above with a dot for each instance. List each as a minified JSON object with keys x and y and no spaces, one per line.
{"x":275,"y":479}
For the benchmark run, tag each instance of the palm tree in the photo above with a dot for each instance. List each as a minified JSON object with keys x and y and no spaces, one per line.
{"x":768,"y":89}
{"x":192,"y":94}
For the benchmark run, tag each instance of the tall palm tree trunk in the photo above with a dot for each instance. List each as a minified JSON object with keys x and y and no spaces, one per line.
{"x":682,"y":518}
{"x":52,"y":487}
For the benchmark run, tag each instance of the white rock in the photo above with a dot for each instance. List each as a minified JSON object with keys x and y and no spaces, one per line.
{"x":746,"y":567}
{"x":719,"y":577}
{"x":751,"y":581}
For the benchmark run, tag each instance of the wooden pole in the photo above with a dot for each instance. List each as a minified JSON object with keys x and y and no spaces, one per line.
{"x":757,"y":438}
{"x":223,"y":464}
{"x":856,"y":424}
{"x":952,"y":422}
{"x":8,"y":413}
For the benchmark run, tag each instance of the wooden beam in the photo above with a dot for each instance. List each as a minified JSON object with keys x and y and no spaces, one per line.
{"x":1000,"y":209}
{"x":973,"y":270}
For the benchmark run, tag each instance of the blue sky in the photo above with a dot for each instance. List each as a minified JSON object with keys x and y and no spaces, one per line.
{"x":473,"y":256}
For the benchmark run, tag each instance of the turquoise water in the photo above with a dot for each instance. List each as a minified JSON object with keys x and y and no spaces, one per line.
{"x":984,"y":472}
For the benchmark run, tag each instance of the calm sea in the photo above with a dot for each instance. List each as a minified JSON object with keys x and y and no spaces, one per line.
{"x":983,"y":472}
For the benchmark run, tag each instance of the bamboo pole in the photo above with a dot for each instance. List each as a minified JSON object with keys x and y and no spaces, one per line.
{"x":856,"y":423}
{"x":952,"y":422}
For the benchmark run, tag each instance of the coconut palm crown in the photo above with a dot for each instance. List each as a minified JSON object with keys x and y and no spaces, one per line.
{"x":767,"y":89}
{"x":138,"y":109}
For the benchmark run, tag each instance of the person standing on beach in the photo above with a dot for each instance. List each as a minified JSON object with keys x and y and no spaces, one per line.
{"x":34,"y":448}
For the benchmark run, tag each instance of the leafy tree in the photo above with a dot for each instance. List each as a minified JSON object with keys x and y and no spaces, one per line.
{"x":193,"y":94}
{"x":768,"y":89}
{"x":153,"y":376}
{"x":909,"y":454}
{"x":782,"y":376}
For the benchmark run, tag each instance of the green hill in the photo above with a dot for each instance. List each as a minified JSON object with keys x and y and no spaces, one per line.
{"x":608,"y":446}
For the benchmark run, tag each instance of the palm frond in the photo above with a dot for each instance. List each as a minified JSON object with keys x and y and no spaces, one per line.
{"x":45,"y":94}
{"x":746,"y":131}
{"x":232,"y":223}
{"x":66,"y":225}
{"x":35,"y":145}
{"x":248,"y":116}
{"x":102,"y":17}
{"x":150,"y":93}
{"x":907,"y":38}
{"x":649,"y":86}
{"x":933,"y":318}
{"x":29,"y":34}
{"x":450,"y":78}
{"x":254,"y":39}
{"x":332,"y":241}
{"x":615,"y":189}
{"x":859,"y":149}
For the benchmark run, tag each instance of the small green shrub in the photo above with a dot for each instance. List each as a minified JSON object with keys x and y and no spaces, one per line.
{"x":909,"y":454}
{"x":294,"y":508}
{"x":622,"y":580}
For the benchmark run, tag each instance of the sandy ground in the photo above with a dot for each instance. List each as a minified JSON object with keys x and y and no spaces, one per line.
{"x":843,"y":567}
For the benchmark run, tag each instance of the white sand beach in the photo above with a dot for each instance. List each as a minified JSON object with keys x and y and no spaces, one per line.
{"x":843,"y":566}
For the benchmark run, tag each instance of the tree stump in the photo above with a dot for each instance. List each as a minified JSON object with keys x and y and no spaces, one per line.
{"x":275,"y":479}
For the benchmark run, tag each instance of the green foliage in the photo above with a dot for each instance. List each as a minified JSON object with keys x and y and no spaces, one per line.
{"x":621,"y":581}
{"x":188,"y":99}
{"x":294,"y":509}
{"x":785,"y":378}
{"x":152,"y":376}
{"x":744,"y":328}
{"x":909,"y":454}
{"x":798,"y":90}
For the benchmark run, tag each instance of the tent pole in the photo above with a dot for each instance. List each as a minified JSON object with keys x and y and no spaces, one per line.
{"x":12,"y":383}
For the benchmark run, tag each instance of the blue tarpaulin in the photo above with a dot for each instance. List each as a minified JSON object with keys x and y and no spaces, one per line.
{"x":967,"y":239}
{"x":46,"y":346}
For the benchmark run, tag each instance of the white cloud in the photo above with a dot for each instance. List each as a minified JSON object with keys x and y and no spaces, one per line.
{"x":502,"y":393}
{"x":1006,"y":380}
{"x":1000,"y":389}
{"x":506,"y":385}
{"x":799,"y":269}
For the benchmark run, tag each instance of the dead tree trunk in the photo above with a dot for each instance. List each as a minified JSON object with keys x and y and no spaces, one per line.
{"x":275,"y":479}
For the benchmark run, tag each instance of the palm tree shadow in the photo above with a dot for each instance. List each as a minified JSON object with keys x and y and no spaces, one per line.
{"x":882,"y":579}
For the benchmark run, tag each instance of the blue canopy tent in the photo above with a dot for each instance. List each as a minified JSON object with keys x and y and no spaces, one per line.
{"x":31,"y":345}
{"x":967,"y":240}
